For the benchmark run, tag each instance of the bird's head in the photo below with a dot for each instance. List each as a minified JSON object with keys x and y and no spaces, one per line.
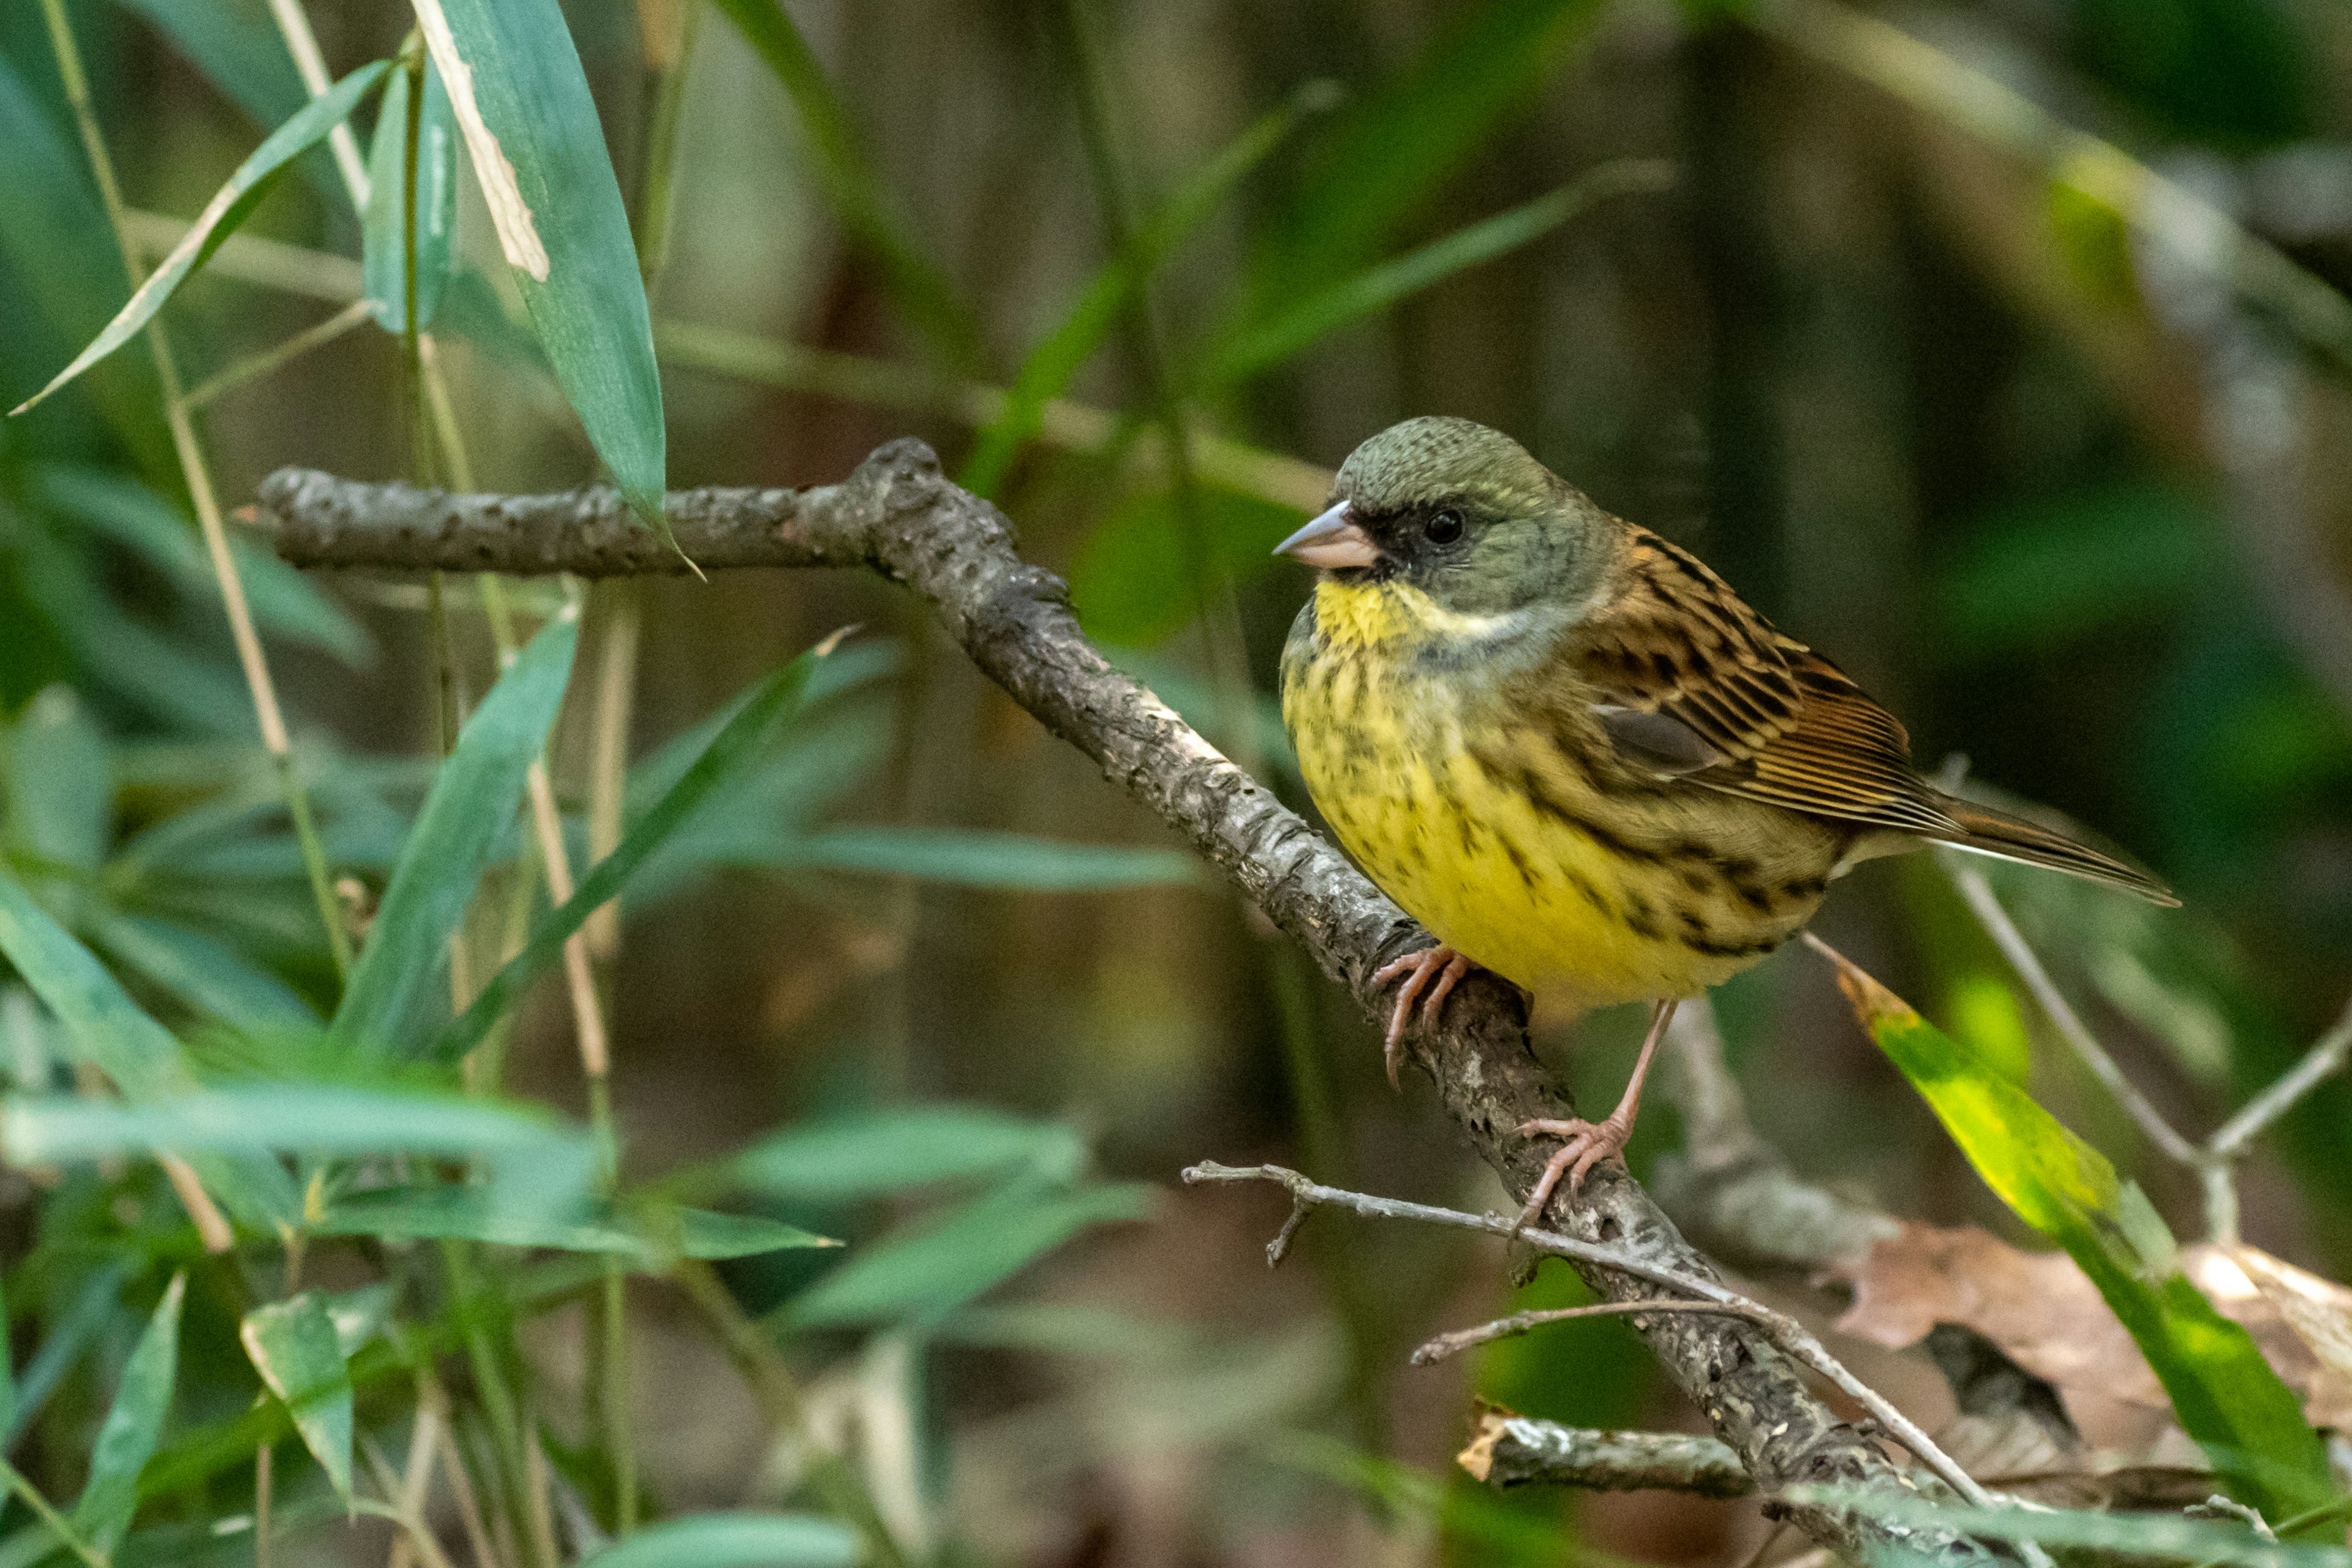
{"x":1460,"y":512}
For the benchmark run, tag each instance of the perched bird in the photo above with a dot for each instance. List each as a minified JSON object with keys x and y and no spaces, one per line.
{"x":1567,"y":747}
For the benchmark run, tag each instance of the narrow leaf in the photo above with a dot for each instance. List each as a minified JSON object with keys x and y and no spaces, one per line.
{"x":847,"y":172}
{"x":286,"y":602}
{"x":73,"y":1332}
{"x":905,"y":1148}
{"x":2227,"y":1397}
{"x":983,"y":1244}
{"x":383,"y":250}
{"x":58,"y":789}
{"x":736,"y":1540}
{"x":522,"y":103}
{"x":139,"y":1055}
{"x":1396,"y":148}
{"x":701,"y":1233}
{"x":1111,"y":292}
{"x":203,"y":971}
{"x":228,"y":209}
{"x":737,"y":744}
{"x":472,"y":802}
{"x":127,"y":1440}
{"x":288,"y":1118}
{"x":973,"y":858}
{"x":1321,"y":313}
{"x":295,"y":1347}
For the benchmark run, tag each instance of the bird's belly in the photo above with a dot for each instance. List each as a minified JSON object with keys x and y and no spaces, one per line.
{"x":1609,"y":902}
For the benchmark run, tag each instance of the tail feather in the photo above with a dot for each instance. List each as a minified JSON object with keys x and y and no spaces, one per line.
{"x":1996,"y":833}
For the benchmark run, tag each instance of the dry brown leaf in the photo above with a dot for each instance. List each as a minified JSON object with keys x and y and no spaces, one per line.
{"x":2038,"y":1306}
{"x":2046,"y":1315}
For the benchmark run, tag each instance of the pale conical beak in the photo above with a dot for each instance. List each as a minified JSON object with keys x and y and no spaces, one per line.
{"x":1330,"y":539}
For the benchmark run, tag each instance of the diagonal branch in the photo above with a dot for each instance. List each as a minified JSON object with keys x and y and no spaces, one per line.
{"x":899,"y":517}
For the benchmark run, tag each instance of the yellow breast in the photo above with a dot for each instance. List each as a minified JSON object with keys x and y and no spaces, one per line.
{"x":1546,"y":865}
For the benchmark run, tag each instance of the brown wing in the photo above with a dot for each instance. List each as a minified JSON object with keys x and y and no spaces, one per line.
{"x":1698,"y":685}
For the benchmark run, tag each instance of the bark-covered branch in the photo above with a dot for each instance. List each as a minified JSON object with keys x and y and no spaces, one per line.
{"x":898,"y":515}
{"x":1507,"y":1451}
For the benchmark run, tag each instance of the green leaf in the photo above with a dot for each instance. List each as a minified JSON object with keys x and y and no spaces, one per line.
{"x":383,"y":250}
{"x":1396,"y":148}
{"x":1111,"y":292}
{"x":702,"y":1233}
{"x":736,"y":1540}
{"x":973,"y":858}
{"x":64,"y":271}
{"x":927,"y":1276}
{"x":229,"y":208}
{"x":738,"y":742}
{"x":126,"y":1441}
{"x":8,"y":1378}
{"x":75,"y":1329}
{"x":359,"y":1316}
{"x":846,"y":173}
{"x":650,"y":1237}
{"x":472,"y":802}
{"x":470,"y":1214}
{"x":1128,"y":580}
{"x":291,"y":1118}
{"x":285,"y":602}
{"x":2228,"y":1398}
{"x":59,"y":787}
{"x":904,"y":1148}
{"x":139,"y":1055}
{"x":537,"y":148}
{"x":1325,"y":312}
{"x":295,"y":1347}
{"x":205,"y":973}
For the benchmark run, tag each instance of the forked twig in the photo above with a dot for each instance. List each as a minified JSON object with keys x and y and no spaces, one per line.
{"x":1784,"y":1331}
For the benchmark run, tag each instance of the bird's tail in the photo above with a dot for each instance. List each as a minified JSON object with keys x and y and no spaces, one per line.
{"x":1996,"y":833}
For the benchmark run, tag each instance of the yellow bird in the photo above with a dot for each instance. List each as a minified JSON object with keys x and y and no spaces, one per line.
{"x":1567,"y":747}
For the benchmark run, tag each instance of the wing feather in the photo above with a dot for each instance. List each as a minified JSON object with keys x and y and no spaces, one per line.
{"x":1777,"y":722}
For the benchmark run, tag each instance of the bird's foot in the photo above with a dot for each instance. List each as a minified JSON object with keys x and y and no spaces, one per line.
{"x":1588,"y":1143}
{"x":1430,"y":976}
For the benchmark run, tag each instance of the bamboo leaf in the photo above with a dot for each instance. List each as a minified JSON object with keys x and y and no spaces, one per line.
{"x":295,"y":1347}
{"x":229,"y":208}
{"x":472,"y":802}
{"x":522,"y":103}
{"x":109,"y":1029}
{"x":2226,"y":1396}
{"x":1325,"y":312}
{"x":971,"y":858}
{"x":202,"y":971}
{"x":59,"y":789}
{"x":383,"y":250}
{"x":1396,"y":147}
{"x":907,"y":1147}
{"x":736,"y":1540}
{"x":108,"y":1498}
{"x":738,"y":742}
{"x":1112,"y":291}
{"x":930,"y":1274}
{"x":121,"y":509}
{"x":845,"y":171}
{"x":72,"y":1333}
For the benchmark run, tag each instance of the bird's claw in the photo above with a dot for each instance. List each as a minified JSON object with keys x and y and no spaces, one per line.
{"x":1432,"y":970}
{"x":1587,"y":1144}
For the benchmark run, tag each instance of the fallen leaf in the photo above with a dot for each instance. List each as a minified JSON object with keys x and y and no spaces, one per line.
{"x":2045,"y":1315}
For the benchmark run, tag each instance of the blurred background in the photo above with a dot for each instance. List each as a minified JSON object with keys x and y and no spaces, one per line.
{"x":1996,"y":349}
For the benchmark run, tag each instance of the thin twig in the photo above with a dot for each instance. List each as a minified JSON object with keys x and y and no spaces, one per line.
{"x":1979,"y":894}
{"x":1454,"y":1344}
{"x":254,"y":366}
{"x":1782,"y":1330}
{"x":2325,"y":1057}
{"x":1509,"y":1450}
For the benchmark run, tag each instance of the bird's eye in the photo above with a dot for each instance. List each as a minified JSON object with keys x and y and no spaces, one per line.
{"x":1444,"y":527}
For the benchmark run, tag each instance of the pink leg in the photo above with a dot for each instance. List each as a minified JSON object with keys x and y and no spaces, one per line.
{"x":1442,"y":965}
{"x":1590,"y":1143}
